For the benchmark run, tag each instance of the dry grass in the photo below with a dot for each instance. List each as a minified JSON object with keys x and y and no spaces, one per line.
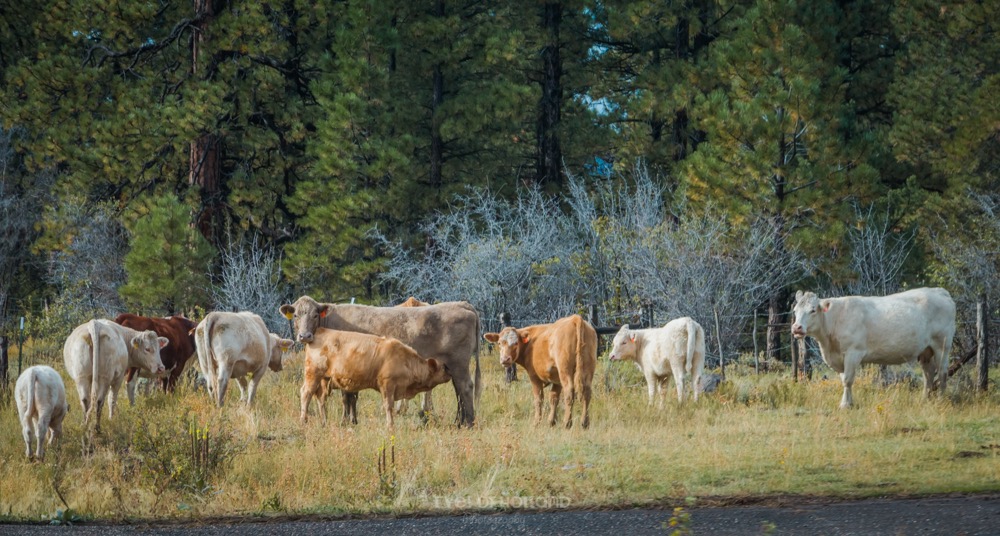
{"x":755,"y":436}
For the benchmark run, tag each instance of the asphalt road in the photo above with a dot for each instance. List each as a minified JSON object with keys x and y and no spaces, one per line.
{"x":950,"y":515}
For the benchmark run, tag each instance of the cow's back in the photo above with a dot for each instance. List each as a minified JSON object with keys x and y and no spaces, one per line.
{"x":176,"y":329}
{"x":78,"y":350}
{"x":431,"y":330}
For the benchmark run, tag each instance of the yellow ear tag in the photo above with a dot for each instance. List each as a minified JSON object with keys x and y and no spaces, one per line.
{"x":288,"y":315}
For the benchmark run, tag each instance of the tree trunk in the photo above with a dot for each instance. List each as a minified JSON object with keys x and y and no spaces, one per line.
{"x":437,"y":144}
{"x":549,"y":157}
{"x":205,"y":163}
{"x":3,"y":361}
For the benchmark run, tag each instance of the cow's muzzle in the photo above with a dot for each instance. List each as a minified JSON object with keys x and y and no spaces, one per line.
{"x":798,"y":332}
{"x":613,"y":357}
{"x":306,"y":337}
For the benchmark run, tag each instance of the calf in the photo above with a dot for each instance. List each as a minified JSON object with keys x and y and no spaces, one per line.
{"x":562,"y":354}
{"x":352,"y":362}
{"x":41,"y":405}
{"x":916,"y":325}
{"x":232,"y":345}
{"x":177,"y":331}
{"x":97,"y":355}
{"x":664,"y":352}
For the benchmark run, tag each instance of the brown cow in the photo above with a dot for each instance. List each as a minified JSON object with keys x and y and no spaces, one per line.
{"x":352,"y":362}
{"x":413,"y":302}
{"x":562,"y":354}
{"x":448,"y":332}
{"x":175,"y":355}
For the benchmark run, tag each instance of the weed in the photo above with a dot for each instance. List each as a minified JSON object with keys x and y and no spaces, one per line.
{"x":388,"y":483}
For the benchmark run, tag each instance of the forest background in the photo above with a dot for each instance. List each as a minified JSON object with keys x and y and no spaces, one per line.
{"x":703,"y":158}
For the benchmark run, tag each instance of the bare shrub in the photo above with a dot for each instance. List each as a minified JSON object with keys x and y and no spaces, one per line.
{"x":878,"y":253}
{"x":250,"y":280}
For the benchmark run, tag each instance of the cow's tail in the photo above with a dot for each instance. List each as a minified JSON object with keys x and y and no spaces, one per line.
{"x":30,"y":410}
{"x":206,"y":357}
{"x":95,"y":339}
{"x":580,"y":365}
{"x":692,"y":330}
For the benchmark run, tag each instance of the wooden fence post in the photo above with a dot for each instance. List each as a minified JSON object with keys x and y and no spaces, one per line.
{"x":983,"y":340}
{"x":510,"y":372}
{"x":718,"y":340}
{"x":756,"y":358}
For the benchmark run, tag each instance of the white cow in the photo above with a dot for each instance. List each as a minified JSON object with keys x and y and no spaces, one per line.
{"x":41,"y":405}
{"x":916,"y":325}
{"x":664,"y":352}
{"x":232,"y":345}
{"x":98,"y":353}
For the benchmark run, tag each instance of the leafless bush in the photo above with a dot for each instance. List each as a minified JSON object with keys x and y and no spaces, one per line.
{"x":89,"y":271}
{"x":877,"y":254}
{"x":616,"y":247}
{"x":250,"y":280}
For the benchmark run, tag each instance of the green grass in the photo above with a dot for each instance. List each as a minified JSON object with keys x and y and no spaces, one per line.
{"x":756,"y":436}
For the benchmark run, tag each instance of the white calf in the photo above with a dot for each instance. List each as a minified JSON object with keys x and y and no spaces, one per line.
{"x":41,"y":405}
{"x":660,"y":353}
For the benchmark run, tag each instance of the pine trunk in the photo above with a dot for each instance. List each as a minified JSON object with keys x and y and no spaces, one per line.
{"x":205,"y":163}
{"x":549,"y":157}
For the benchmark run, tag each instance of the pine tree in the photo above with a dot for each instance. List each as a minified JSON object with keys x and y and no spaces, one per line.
{"x":169,"y":260}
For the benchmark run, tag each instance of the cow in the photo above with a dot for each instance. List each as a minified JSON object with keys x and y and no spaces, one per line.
{"x":916,"y":325}
{"x":448,"y":332}
{"x":413,"y":302}
{"x":562,"y":354}
{"x":41,"y":405}
{"x":660,"y":353}
{"x":177,"y":330}
{"x":352,"y":361}
{"x":97,"y":354}
{"x":232,"y":345}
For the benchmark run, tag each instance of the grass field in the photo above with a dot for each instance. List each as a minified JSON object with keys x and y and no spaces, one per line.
{"x":757,"y":435}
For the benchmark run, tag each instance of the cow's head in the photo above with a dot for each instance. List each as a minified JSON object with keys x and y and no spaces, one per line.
{"x":438,"y":372}
{"x":809,"y":310}
{"x":278,"y":347}
{"x":306,"y":314}
{"x":511,"y":343}
{"x":624,"y":346}
{"x":145,"y":348}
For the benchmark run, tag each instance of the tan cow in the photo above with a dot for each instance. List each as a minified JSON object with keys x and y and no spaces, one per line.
{"x":41,"y":406}
{"x":916,"y":325}
{"x":447,"y":332}
{"x":352,"y":362}
{"x":562,"y":354}
{"x":660,"y":353}
{"x":413,"y":302}
{"x":234,"y":345}
{"x":97,"y":355}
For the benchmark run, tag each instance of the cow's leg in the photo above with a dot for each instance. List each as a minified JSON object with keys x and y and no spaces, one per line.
{"x":116,"y":384}
{"x":131,"y":379}
{"x":350,"y":403}
{"x":554,"y":395}
{"x":569,"y":398}
{"x":97,"y":405}
{"x":428,"y":406}
{"x":224,"y":374}
{"x":536,"y":389}
{"x":851,"y":363}
{"x":652,"y":385}
{"x":241,"y":382}
{"x":252,"y":389}
{"x":321,"y":402}
{"x":28,"y":433}
{"x":678,"y":373}
{"x":388,"y":404}
{"x":42,"y":430}
{"x":305,"y":396}
{"x":462,"y":383}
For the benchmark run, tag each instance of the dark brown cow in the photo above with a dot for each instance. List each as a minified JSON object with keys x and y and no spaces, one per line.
{"x":562,"y":354}
{"x":175,"y":355}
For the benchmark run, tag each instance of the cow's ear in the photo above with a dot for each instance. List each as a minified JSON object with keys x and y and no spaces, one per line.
{"x":632,"y":337}
{"x":433,"y":363}
{"x":136,"y":342}
{"x":524,"y":339}
{"x":163,"y":342}
{"x":825,"y":305}
{"x":323,"y":311}
{"x":798,"y":295}
{"x":491,"y":337}
{"x":285,"y":344}
{"x":287,"y":311}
